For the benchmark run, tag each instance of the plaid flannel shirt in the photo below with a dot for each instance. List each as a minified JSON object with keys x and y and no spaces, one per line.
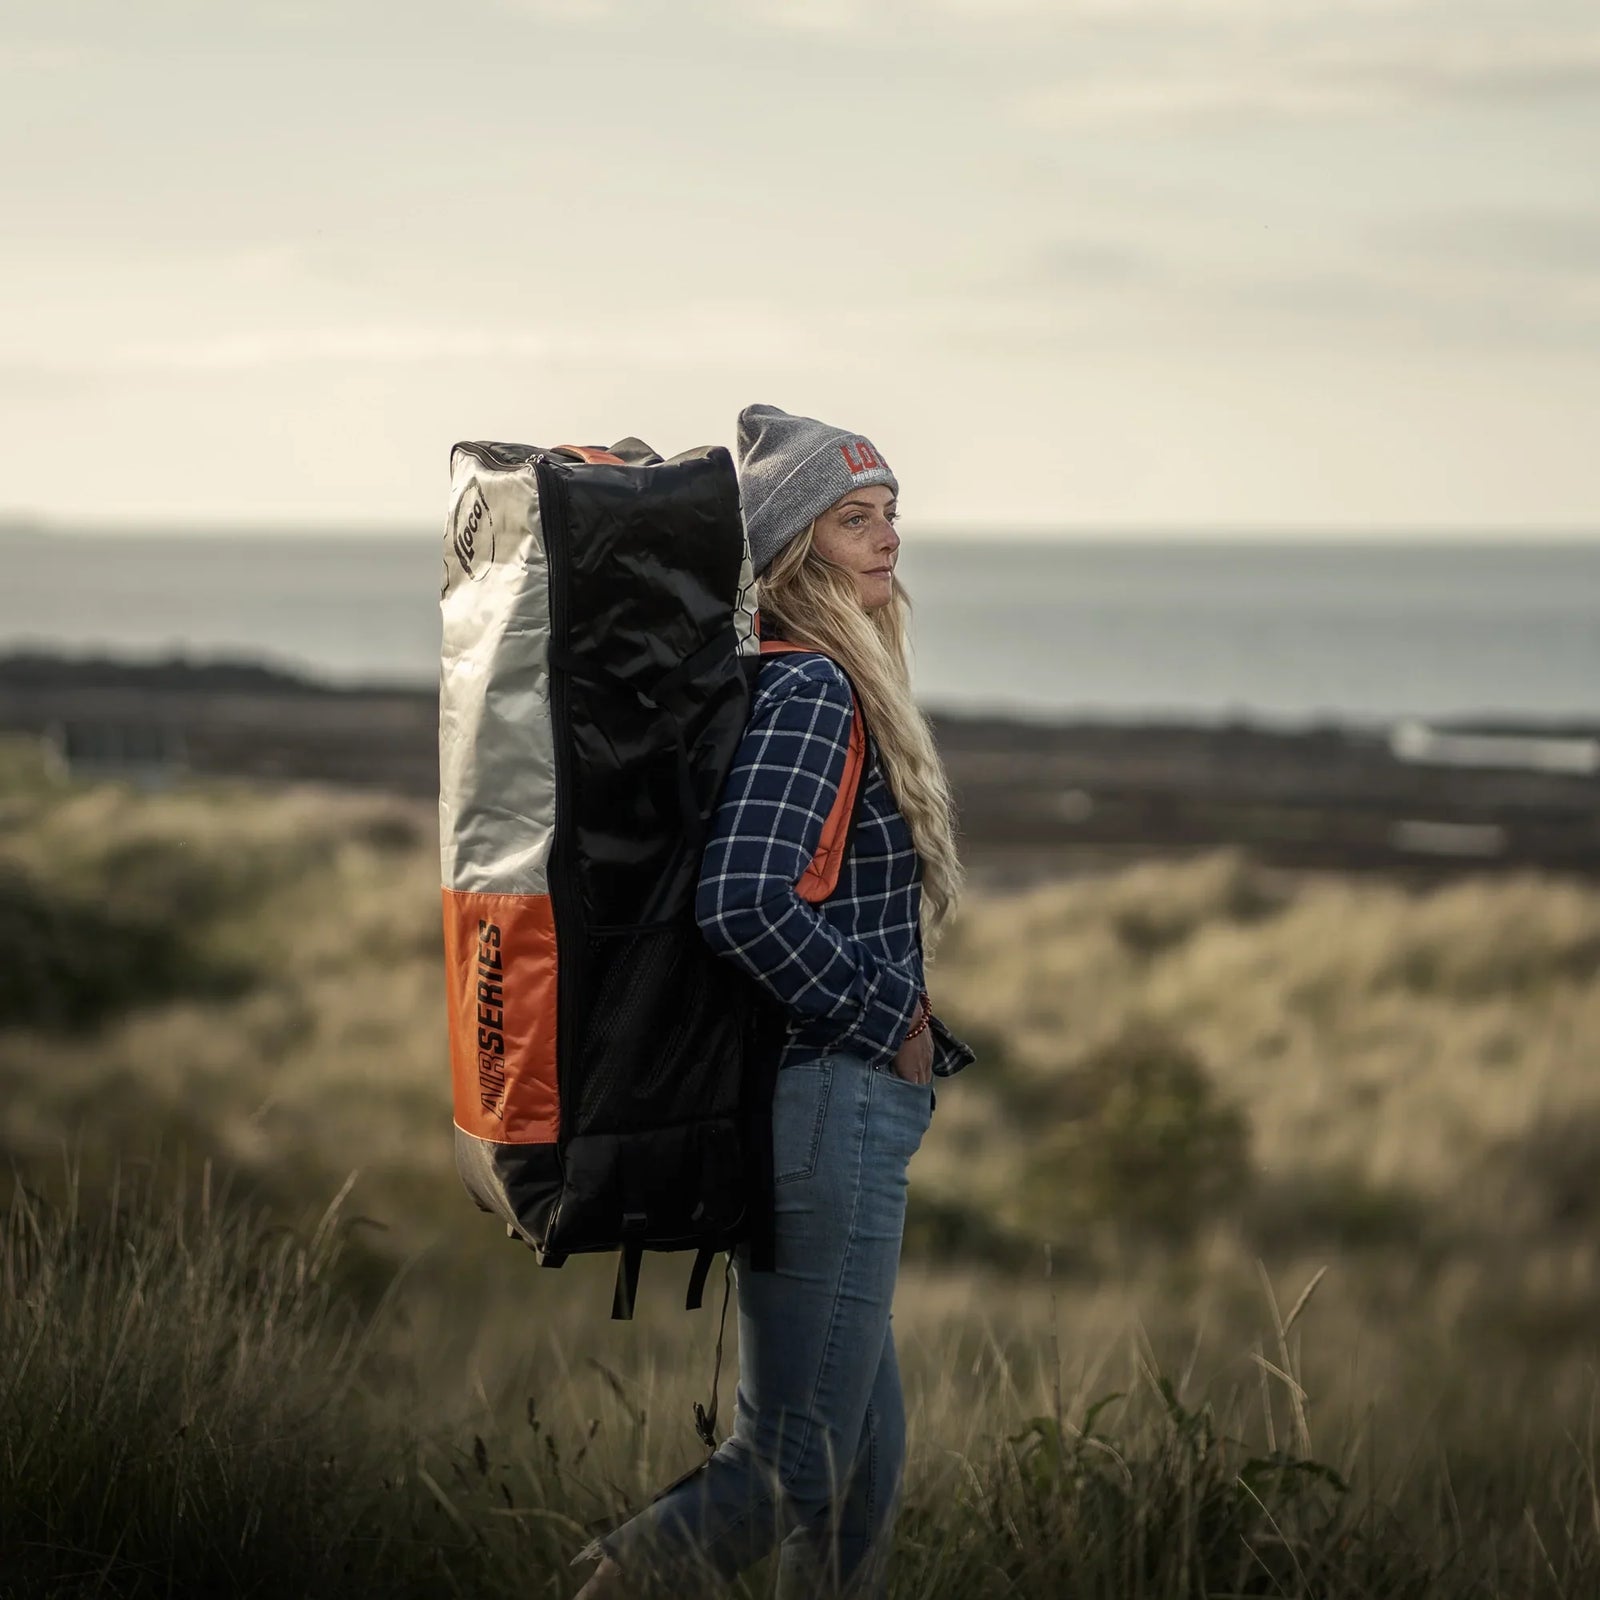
{"x":850,"y":969}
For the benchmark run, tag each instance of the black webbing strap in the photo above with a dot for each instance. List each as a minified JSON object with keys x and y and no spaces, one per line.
{"x":635,"y":1227}
{"x":622,"y":1297}
{"x":705,"y":1419}
{"x":703,"y":1258}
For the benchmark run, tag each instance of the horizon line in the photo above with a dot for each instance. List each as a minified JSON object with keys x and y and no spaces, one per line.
{"x":14,"y":523}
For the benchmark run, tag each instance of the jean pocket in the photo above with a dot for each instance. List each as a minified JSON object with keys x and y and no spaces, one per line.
{"x":925,"y":1090}
{"x":799,"y":1110}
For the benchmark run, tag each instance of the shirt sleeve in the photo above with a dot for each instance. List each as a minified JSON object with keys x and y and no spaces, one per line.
{"x":784,"y":779}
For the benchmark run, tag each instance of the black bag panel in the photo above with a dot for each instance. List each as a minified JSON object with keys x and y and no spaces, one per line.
{"x":650,"y":578}
{"x":636,"y":854}
{"x":664,"y":1188}
{"x":661,"y":1032}
{"x":519,"y":1183}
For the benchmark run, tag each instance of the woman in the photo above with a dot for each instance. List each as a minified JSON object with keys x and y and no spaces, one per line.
{"x":818,"y":1441}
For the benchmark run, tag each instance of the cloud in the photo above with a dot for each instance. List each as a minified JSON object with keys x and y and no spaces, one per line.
{"x":582,"y":12}
{"x":1468,"y":278}
{"x":1286,"y":76}
{"x":1094,"y":261}
{"x":702,"y":336}
{"x":898,"y":21}
{"x":371,"y":346}
{"x":1535,"y":241}
{"x":1458,"y":301}
{"x":28,"y":58}
{"x":1168,"y":13}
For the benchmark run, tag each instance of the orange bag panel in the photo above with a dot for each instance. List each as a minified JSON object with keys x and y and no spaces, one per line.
{"x":821,"y":878}
{"x":500,"y":970}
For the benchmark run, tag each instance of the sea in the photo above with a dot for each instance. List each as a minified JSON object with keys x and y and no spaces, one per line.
{"x":1288,"y":632}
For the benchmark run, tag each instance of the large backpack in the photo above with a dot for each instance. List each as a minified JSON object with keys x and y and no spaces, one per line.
{"x":612,"y":1075}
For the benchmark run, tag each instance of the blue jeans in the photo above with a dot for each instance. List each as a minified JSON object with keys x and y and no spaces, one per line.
{"x":815,"y":1457}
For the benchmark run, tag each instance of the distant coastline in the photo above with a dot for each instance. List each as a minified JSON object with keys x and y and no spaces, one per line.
{"x":1288,"y":633}
{"x":25,"y":523}
{"x":1037,"y":796}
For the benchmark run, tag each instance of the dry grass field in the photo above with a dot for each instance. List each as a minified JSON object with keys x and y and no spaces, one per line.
{"x":1201,"y":1088}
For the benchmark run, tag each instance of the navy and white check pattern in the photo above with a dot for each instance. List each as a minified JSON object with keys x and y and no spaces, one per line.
{"x":849,"y":969}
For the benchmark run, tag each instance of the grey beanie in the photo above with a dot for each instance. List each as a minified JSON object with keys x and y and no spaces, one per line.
{"x":791,"y":468}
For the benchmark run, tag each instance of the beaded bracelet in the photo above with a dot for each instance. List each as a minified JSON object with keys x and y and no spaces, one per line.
{"x":927,"y":1016}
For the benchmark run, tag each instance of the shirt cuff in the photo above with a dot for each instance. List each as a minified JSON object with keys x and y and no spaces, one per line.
{"x":892,"y":1005}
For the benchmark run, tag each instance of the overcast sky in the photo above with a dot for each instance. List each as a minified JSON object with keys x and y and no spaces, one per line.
{"x":1176,"y":264}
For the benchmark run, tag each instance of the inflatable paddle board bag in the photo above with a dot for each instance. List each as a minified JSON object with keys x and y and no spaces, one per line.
{"x":612,"y":1075}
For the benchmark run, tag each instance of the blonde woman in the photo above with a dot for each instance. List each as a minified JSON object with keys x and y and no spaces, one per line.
{"x":815,"y":1457}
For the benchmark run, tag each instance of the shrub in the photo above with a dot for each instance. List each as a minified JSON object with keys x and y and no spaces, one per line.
{"x":69,"y":963}
{"x":1140,"y":1140}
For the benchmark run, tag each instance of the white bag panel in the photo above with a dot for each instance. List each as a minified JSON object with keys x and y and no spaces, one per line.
{"x":496,"y":745}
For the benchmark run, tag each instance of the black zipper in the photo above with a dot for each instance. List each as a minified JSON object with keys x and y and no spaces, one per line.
{"x":502,"y":457}
{"x":563,"y":903}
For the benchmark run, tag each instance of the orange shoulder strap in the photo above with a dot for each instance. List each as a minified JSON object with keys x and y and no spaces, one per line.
{"x":821,"y":878}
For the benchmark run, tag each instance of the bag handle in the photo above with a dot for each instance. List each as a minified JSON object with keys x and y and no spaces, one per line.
{"x":593,"y":455}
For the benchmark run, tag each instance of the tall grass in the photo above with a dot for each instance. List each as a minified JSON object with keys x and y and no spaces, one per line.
{"x":180,"y":1387}
{"x":192,"y":1407}
{"x":1194,"y":1079}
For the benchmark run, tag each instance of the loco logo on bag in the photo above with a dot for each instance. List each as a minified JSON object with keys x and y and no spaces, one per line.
{"x":473,"y":534}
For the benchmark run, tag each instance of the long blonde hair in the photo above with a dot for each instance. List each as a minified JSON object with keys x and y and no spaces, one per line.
{"x":807,"y":600}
